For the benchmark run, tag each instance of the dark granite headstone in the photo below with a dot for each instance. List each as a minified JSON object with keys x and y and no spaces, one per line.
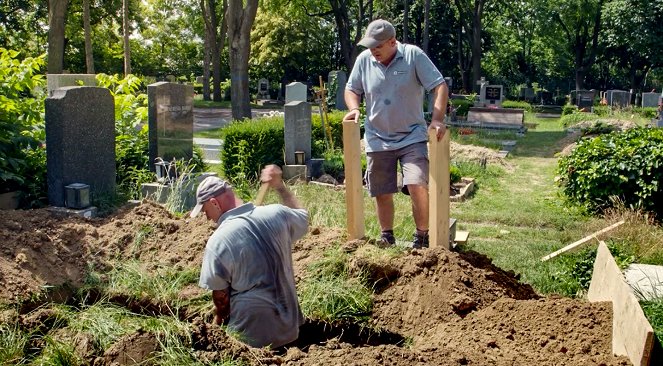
{"x":297,"y":130}
{"x":585,"y":98}
{"x":618,"y":98}
{"x":80,"y":141}
{"x":650,"y":100}
{"x":170,"y":116}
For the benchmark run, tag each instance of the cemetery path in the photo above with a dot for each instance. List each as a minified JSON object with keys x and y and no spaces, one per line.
{"x":430,"y":307}
{"x":213,"y":118}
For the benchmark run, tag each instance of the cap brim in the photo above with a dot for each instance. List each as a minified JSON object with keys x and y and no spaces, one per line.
{"x":196,"y":210}
{"x":369,"y":42}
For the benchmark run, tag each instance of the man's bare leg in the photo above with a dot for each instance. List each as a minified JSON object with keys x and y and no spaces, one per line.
{"x":385,"y":208}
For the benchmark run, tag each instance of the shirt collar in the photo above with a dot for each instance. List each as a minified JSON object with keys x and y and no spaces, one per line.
{"x":239,"y":210}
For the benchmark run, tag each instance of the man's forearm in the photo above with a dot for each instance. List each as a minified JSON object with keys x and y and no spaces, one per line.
{"x":440,"y":103}
{"x":287,"y":197}
{"x":221,"y":301}
{"x":352,"y":100}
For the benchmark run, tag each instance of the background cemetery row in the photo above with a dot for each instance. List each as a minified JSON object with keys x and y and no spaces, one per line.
{"x":557,"y":46}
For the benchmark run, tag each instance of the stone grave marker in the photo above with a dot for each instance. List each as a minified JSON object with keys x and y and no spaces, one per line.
{"x":492,"y":95}
{"x":297,"y":130}
{"x":527,"y":93}
{"x":263,"y":89}
{"x":171,"y":78}
{"x":170,"y":118}
{"x":199,"y":79}
{"x":585,"y":98}
{"x":80,"y":141}
{"x":650,"y":100}
{"x":618,"y":98}
{"x":295,"y":92}
{"x":341,"y":80}
{"x":55,"y":81}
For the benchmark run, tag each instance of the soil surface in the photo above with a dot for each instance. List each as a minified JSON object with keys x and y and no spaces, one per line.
{"x":431,"y":306}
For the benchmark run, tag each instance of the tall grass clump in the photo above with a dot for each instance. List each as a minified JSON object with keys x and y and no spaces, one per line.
{"x":57,"y":353}
{"x":13,"y":342}
{"x":331,"y":294}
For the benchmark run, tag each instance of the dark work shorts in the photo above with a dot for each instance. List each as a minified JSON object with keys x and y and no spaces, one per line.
{"x":382,"y":168}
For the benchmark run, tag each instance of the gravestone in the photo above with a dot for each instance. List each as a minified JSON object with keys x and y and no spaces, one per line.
{"x":80,"y":141}
{"x":585,"y":98}
{"x":618,"y":98}
{"x":199,"y":79}
{"x":341,"y":80}
{"x":55,"y":81}
{"x":650,"y":100}
{"x":295,"y":92}
{"x":492,"y":95}
{"x":171,"y":78}
{"x":263,"y":89}
{"x":546,"y":97}
{"x":297,"y":130}
{"x":527,"y":94}
{"x":450,"y":82}
{"x":170,"y":121}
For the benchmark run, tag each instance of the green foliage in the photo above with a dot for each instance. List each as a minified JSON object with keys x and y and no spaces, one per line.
{"x":58,"y":353}
{"x":454,"y":173}
{"x":13,"y":341}
{"x":330,"y":294}
{"x":516,"y":104}
{"x":653,"y":310}
{"x":22,"y":130}
{"x":335,"y":121}
{"x":576,"y":117}
{"x":462,"y":106}
{"x":601,"y":110}
{"x":334,"y":164}
{"x":569,"y":109}
{"x":249,"y":145}
{"x":598,"y":128}
{"x":626,"y":165}
{"x":647,"y":113}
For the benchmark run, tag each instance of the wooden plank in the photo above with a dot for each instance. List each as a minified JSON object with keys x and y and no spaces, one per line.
{"x":438,"y":190}
{"x":354,"y":195}
{"x":461,"y":237}
{"x":577,"y":244}
{"x":632,"y":335}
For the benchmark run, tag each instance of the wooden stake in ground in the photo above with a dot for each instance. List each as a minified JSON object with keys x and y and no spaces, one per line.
{"x":581,"y":242}
{"x":354,"y":197}
{"x":438,"y":190}
{"x":262,"y":192}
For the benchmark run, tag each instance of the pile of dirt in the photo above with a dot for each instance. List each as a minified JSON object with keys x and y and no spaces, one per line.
{"x":432,"y":306}
{"x":478,"y":155}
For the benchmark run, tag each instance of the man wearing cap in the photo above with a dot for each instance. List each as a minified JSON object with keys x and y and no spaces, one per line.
{"x":392,"y":77}
{"x":248,"y":263}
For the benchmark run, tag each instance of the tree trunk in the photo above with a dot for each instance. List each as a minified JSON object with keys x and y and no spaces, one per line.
{"x":406,"y":21}
{"x":349,"y":51}
{"x":426,"y":37}
{"x":240,"y":21}
{"x":214,"y":42}
{"x":476,"y":40}
{"x":126,"y":32}
{"x":89,"y":58}
{"x":57,"y":15}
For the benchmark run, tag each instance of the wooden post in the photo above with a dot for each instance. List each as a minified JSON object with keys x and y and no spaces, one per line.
{"x":354,"y":197}
{"x":438,"y":190}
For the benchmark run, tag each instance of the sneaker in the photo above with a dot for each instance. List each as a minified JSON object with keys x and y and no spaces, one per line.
{"x":420,"y":241}
{"x":387,"y":238}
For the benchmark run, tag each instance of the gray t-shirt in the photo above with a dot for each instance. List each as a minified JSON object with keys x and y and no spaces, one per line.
{"x":394,"y":96}
{"x":251,"y":252}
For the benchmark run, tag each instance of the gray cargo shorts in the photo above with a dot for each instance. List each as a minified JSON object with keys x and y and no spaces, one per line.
{"x":382,"y":168}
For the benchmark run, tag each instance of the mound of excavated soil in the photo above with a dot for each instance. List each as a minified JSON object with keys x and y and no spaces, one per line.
{"x":432,"y":306}
{"x":477,"y":154}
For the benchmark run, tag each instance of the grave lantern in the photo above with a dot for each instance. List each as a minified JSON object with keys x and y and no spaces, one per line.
{"x":300,"y":158}
{"x":77,"y":196}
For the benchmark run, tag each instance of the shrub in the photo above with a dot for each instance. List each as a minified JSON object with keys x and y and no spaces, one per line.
{"x":22,"y":129}
{"x":576,"y":117}
{"x":462,"y":106}
{"x":249,"y":145}
{"x":318,"y":145}
{"x":516,"y":104}
{"x":625,"y":165}
{"x":455,"y":175}
{"x":568,"y":109}
{"x":648,"y":112}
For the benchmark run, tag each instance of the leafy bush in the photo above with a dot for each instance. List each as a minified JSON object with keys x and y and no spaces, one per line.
{"x":601,"y":110}
{"x":454,"y":172}
{"x":462,"y":106}
{"x":625,"y":165}
{"x":318,"y":145}
{"x":516,"y":104}
{"x":568,"y":109}
{"x":598,"y":128}
{"x":249,"y":145}
{"x":22,"y":129}
{"x":648,"y":113}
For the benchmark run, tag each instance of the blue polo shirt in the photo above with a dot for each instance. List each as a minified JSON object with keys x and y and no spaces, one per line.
{"x":394,"y":96}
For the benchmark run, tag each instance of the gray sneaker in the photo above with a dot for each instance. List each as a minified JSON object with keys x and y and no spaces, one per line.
{"x":387,"y":239}
{"x":420,"y":241}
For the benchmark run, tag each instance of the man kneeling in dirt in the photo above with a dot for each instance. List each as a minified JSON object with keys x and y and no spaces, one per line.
{"x":248,"y":260}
